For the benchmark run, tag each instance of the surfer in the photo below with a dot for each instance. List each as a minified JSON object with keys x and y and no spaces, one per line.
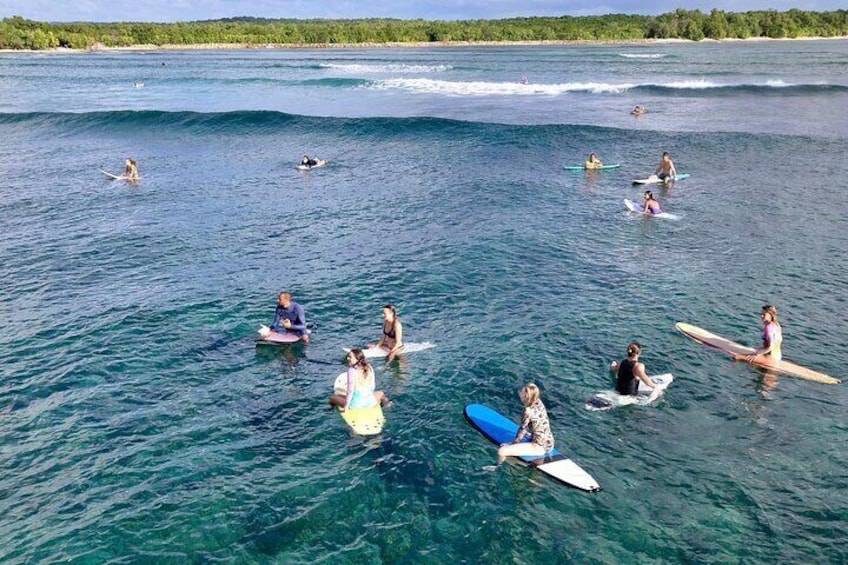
{"x":307,"y":162}
{"x":638,"y":110}
{"x":392,"y":338}
{"x":535,"y":421}
{"x":630,"y":371}
{"x":524,"y":80}
{"x":131,"y":169}
{"x":651,"y":205}
{"x":772,"y":339}
{"x":361,"y":385}
{"x":665,"y":171}
{"x":593,"y":162}
{"x":290,"y":317}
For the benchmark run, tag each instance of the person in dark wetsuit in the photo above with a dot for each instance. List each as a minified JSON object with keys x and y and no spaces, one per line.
{"x":289,"y":317}
{"x":630,"y":371}
{"x":392,"y":338}
{"x":308,"y":162}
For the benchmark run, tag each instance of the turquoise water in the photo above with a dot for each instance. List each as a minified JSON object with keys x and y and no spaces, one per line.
{"x":140,"y":423}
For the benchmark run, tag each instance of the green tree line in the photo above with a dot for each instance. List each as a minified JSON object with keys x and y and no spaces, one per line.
{"x":19,"y":33}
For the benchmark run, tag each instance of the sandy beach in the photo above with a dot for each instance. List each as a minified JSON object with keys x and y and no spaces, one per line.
{"x":396,"y":45}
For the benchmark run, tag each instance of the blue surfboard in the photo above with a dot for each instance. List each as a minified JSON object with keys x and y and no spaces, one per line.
{"x":498,"y":429}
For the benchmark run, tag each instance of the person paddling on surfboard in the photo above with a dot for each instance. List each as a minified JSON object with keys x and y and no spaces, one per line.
{"x":535,"y":422}
{"x":651,"y":205}
{"x":290,"y":317}
{"x":772,"y":339}
{"x":308,"y":162}
{"x":361,"y":385}
{"x":630,"y":371}
{"x":593,"y":162}
{"x":392,"y":338}
{"x":666,"y":171}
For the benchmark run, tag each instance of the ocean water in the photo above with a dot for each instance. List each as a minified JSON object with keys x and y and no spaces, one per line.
{"x":139,"y":423}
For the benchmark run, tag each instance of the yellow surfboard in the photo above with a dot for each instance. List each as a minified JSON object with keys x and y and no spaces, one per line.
{"x":722,"y":344}
{"x":363,"y":421}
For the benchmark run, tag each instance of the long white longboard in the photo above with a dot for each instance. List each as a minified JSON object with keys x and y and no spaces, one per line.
{"x":380,"y":352}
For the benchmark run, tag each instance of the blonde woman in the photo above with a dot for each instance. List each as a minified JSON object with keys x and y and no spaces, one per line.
{"x":772,"y":339}
{"x":535,"y":423}
{"x":360,"y":385}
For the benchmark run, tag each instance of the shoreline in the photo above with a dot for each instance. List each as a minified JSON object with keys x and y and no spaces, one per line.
{"x":401,"y":45}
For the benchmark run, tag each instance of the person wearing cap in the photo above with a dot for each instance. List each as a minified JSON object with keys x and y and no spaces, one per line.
{"x":289,"y":317}
{"x":593,"y":162}
{"x":630,"y":371}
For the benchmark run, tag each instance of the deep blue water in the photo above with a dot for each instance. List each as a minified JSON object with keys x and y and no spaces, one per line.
{"x":140,"y":423}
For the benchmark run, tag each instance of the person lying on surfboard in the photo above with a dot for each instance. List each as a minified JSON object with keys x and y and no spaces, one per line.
{"x":638,"y":110}
{"x":289,"y":316}
{"x":651,"y":205}
{"x":665,"y":171}
{"x":630,"y":371}
{"x":392,"y":338}
{"x":308,"y":162}
{"x":772,"y":339}
{"x":535,"y":422}
{"x":361,"y":385}
{"x":593,"y":162}
{"x":131,"y":169}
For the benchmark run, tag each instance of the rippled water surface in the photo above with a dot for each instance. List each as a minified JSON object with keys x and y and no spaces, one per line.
{"x":140,"y":423}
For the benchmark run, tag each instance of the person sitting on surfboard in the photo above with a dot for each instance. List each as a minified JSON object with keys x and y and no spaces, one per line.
{"x":392,"y":338}
{"x":361,"y":385}
{"x":638,"y":110}
{"x":651,"y":205}
{"x":665,"y":170}
{"x":290,"y":317}
{"x":535,"y":421}
{"x":630,"y":371}
{"x":308,"y":162}
{"x":131,"y":169}
{"x":772,"y":339}
{"x":593,"y":162}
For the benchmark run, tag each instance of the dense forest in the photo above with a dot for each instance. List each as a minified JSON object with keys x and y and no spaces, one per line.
{"x":19,"y":33}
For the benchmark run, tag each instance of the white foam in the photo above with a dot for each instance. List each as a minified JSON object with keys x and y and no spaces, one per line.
{"x":355,"y":68}
{"x":642,"y":55}
{"x":483,"y":88}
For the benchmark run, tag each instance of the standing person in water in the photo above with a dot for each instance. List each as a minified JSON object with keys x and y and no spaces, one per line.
{"x":666,"y":170}
{"x":361,"y":385}
{"x":651,"y":205}
{"x":772,"y":339}
{"x":630,"y":371}
{"x":392,"y":338}
{"x":290,"y":317}
{"x":593,"y":162}
{"x":534,"y":422}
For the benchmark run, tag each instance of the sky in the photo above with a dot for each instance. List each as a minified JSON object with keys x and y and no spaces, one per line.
{"x":190,"y":10}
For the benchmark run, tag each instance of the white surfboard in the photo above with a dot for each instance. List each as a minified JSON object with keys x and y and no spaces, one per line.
{"x":609,"y":399}
{"x":320,"y":163}
{"x":654,"y":179}
{"x":118,"y":177}
{"x":408,"y":347}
